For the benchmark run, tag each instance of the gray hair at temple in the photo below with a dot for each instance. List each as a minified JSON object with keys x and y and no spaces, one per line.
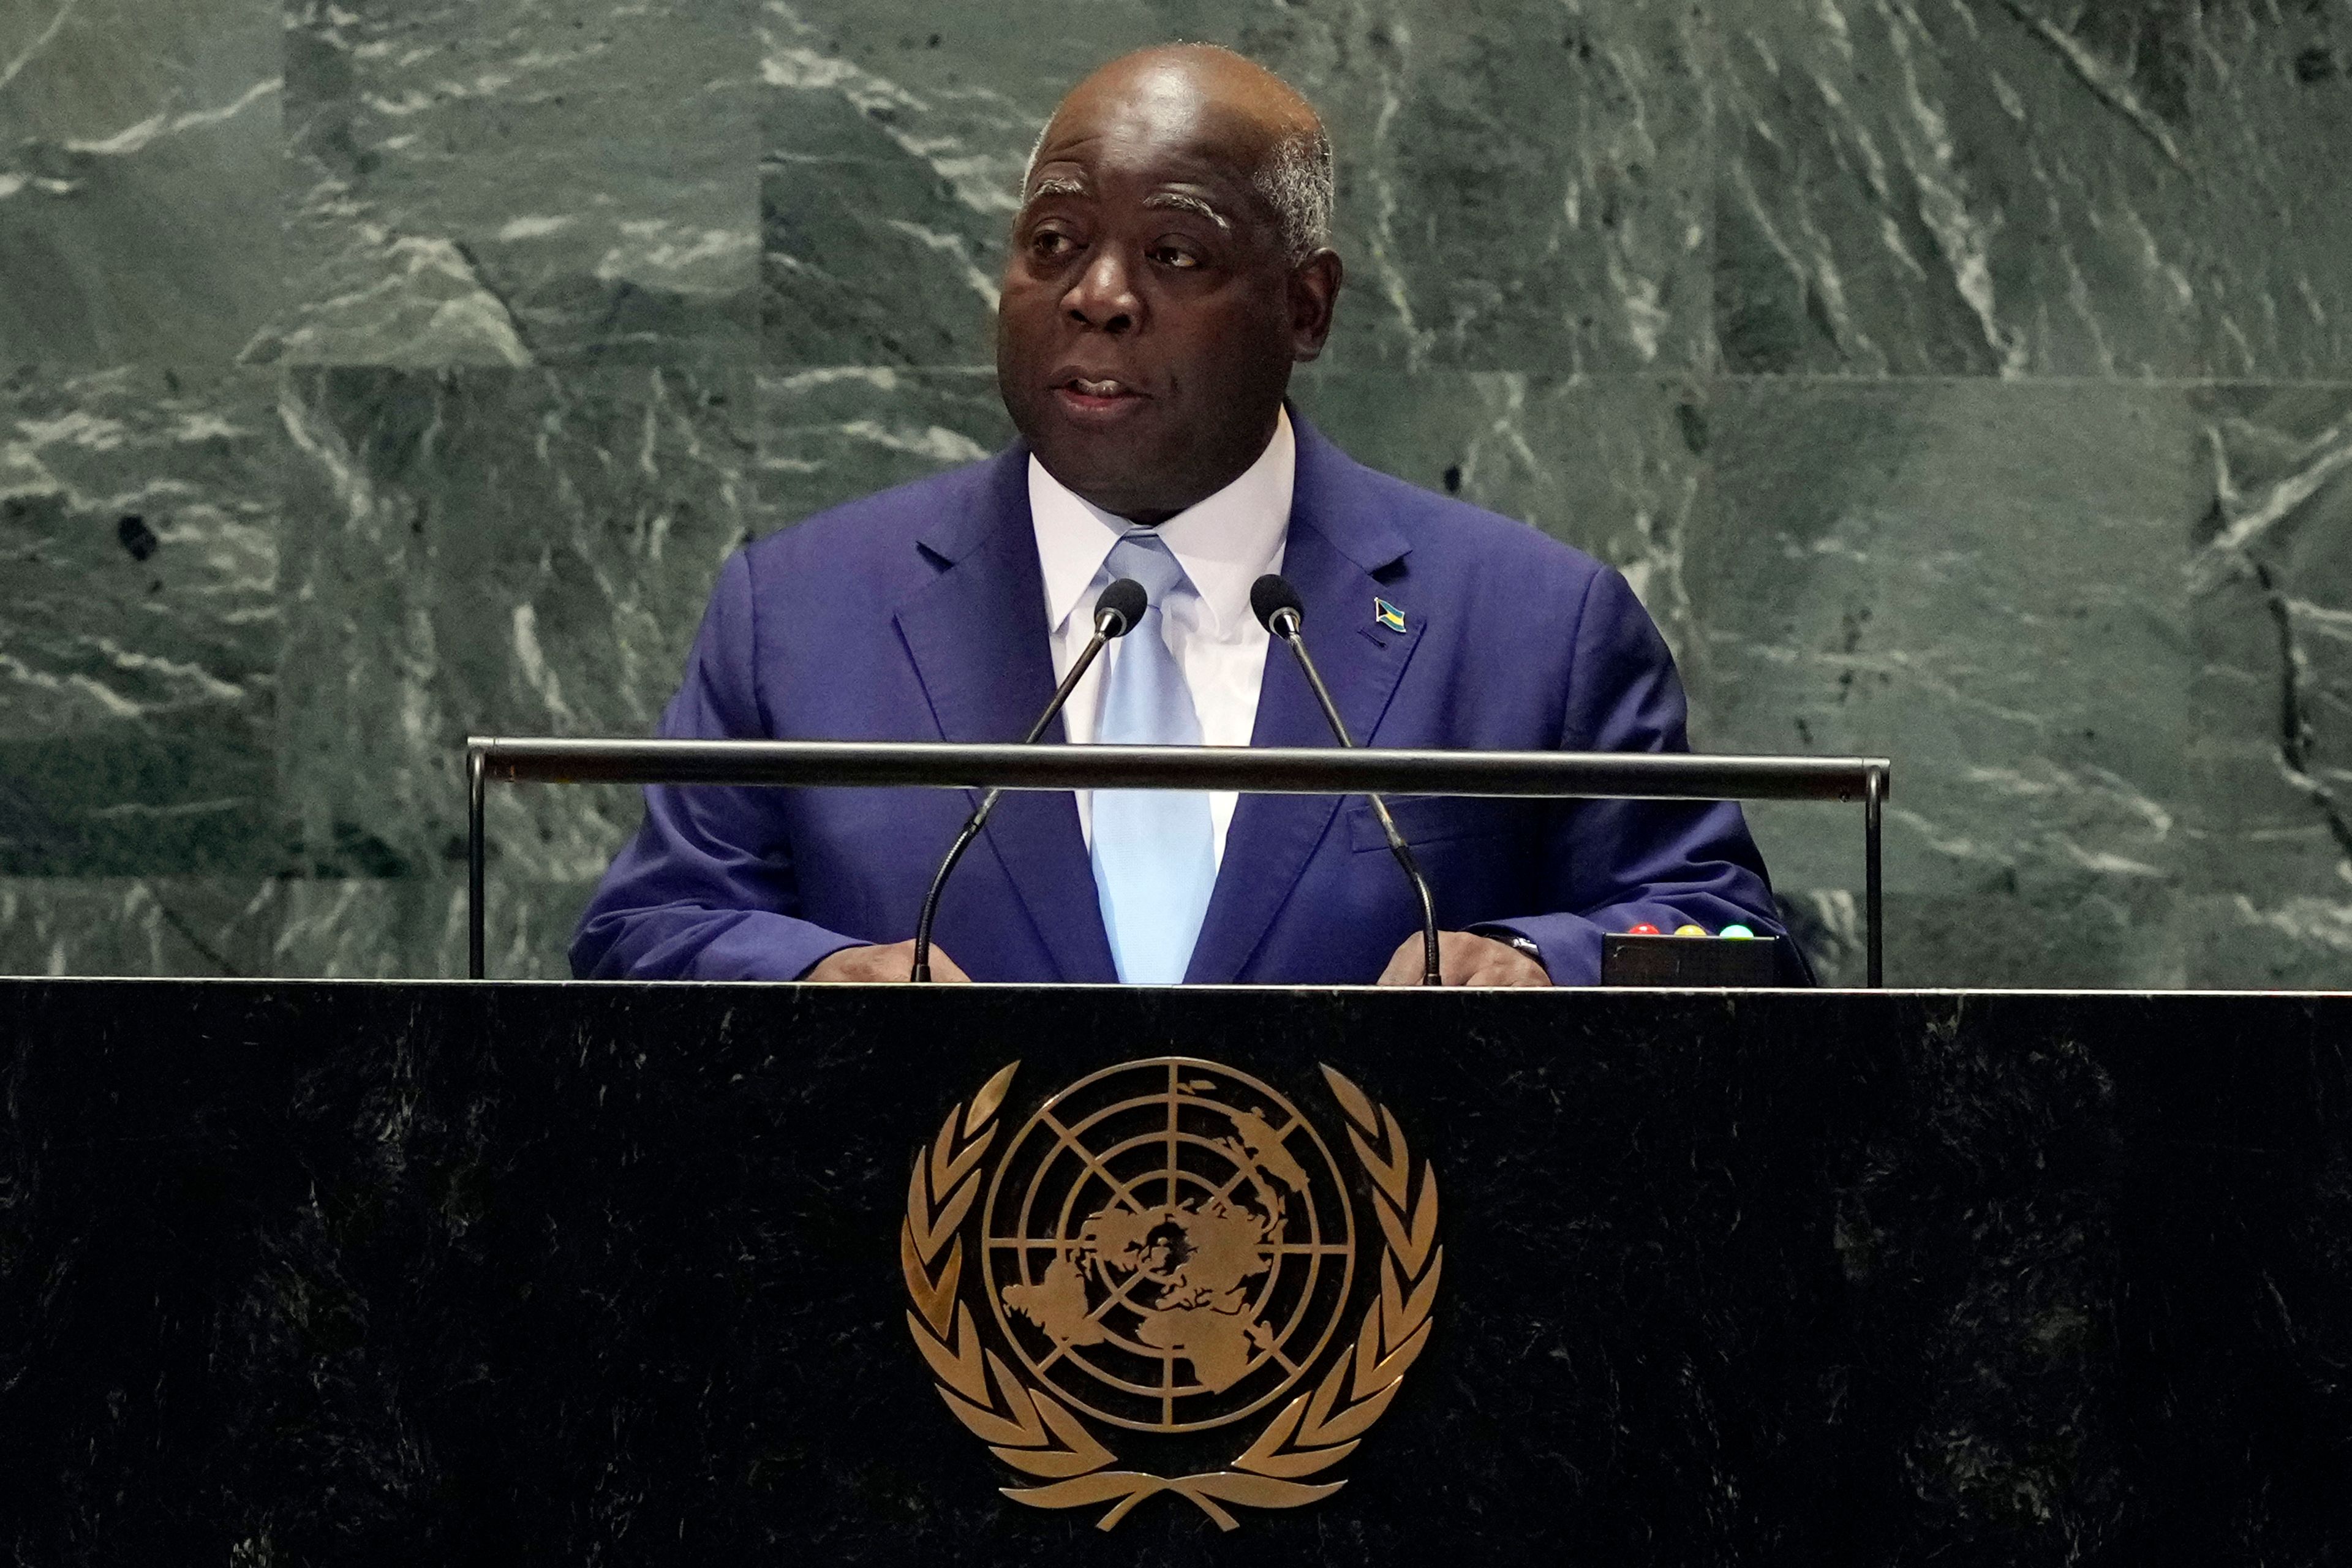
{"x":1298,"y":180}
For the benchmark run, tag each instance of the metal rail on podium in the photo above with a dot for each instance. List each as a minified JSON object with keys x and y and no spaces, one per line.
{"x":1557,"y":775}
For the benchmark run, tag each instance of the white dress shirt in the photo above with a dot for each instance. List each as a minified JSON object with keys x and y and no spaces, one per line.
{"x":1224,"y":543}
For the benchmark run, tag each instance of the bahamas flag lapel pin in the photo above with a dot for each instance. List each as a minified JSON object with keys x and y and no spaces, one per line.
{"x":1388,"y":614}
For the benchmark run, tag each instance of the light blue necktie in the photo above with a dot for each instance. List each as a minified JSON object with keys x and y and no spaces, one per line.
{"x":1154,"y":860}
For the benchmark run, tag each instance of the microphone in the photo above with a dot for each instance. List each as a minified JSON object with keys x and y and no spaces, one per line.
{"x":1276,"y":605}
{"x":1115,"y":613}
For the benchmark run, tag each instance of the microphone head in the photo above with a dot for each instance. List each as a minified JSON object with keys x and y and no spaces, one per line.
{"x":1124,"y":603}
{"x":1269,"y":596}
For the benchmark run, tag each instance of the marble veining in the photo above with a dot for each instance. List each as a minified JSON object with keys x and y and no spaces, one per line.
{"x":1962,"y":380}
{"x":2030,"y":187}
{"x":2274,"y":697}
{"x":441,"y":211}
{"x":123,"y":122}
{"x":1518,"y":187}
{"x":140,"y":525}
{"x":2021,"y":654}
{"x":419,"y":614}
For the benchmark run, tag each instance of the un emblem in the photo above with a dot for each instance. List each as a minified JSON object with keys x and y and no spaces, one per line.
{"x":1168,"y":1247}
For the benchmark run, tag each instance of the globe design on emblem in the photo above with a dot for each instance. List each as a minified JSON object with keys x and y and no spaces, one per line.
{"x":1168,"y":1244}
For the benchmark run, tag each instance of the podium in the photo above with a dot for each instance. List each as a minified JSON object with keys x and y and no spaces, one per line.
{"x":383,"y":1272}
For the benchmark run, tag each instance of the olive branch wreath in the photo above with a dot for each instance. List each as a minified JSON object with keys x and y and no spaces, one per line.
{"x":1033,"y":1432}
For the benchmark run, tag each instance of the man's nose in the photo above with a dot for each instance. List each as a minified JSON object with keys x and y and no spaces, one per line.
{"x":1103,"y":296}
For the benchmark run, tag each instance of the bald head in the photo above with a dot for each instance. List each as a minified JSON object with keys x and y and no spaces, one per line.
{"x":1268,"y":125}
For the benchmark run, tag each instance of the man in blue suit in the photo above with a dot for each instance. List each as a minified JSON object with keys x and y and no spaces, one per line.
{"x":1170,"y":265}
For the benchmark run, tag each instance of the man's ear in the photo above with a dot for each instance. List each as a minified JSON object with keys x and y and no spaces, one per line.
{"x":1314,"y":294}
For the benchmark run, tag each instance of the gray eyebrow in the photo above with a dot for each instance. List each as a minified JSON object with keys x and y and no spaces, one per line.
{"x":1071,"y":185}
{"x":1183,"y":202}
{"x":1055,"y":186}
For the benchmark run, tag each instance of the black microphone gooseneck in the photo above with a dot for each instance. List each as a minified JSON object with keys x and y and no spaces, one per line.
{"x":1276,"y":604}
{"x":1122,"y":605}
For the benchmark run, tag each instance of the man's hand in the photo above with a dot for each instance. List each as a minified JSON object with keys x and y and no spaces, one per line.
{"x":874,"y":965}
{"x":1464,"y":960}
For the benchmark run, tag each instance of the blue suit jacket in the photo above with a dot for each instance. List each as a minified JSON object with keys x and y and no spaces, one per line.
{"x":918,"y":614}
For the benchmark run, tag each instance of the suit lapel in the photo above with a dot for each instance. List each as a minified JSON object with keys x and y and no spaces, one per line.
{"x":976,"y":633}
{"x":1336,"y":543}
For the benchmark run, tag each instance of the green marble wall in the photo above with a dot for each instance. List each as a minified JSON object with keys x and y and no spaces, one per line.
{"x":1966,"y":380}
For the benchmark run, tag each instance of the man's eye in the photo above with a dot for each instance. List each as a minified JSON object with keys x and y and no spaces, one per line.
{"x":1169,"y":256}
{"x":1050,"y":242}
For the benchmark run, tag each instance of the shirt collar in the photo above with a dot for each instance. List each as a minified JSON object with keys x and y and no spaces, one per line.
{"x":1224,"y":543}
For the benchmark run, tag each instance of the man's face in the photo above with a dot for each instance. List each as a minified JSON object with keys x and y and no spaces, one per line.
{"x":1150,"y":316}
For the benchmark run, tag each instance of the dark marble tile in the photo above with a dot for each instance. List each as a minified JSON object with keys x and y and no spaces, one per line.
{"x":486,"y":550}
{"x":2272,"y":257}
{"x":1612,"y":465}
{"x":194,"y":927}
{"x":2270,"y":713}
{"x":831,"y":436}
{"x":1983,"y":583}
{"x":1518,"y":188}
{"x":1522,"y":188}
{"x":316,"y":927}
{"x":139,"y":179}
{"x":2032,"y":188}
{"x":518,"y":182}
{"x":138,"y":651}
{"x":414,"y":927}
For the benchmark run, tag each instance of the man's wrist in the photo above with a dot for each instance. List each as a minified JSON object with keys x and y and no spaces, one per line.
{"x":1518,"y":941}
{"x":818,"y":962}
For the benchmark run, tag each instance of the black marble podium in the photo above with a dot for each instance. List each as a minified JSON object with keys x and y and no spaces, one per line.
{"x":439,"y":1273}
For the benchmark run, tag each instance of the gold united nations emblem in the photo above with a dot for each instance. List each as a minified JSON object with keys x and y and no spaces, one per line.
{"x":1168,"y":1249}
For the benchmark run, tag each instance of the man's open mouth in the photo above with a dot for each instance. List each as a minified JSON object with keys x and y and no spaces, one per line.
{"x":1097,"y":398}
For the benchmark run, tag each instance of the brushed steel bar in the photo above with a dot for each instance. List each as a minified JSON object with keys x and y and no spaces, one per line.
{"x":1557,"y":775}
{"x":477,"y":852}
{"x":1873,"y":802}
{"x":1611,"y":775}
